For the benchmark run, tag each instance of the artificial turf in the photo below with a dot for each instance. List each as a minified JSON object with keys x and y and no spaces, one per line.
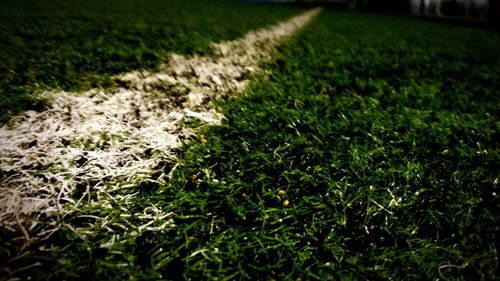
{"x":369,"y":151}
{"x":78,"y":45}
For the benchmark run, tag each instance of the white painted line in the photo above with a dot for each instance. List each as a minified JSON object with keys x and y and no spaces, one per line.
{"x":105,"y":141}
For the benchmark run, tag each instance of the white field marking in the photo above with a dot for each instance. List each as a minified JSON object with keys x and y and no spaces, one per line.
{"x":99,"y":142}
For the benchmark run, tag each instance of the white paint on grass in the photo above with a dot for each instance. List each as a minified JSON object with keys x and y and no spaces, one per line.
{"x":101,"y":142}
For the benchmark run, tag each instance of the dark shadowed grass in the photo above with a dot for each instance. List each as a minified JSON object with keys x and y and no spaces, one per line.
{"x":77,"y":45}
{"x":370,"y":152}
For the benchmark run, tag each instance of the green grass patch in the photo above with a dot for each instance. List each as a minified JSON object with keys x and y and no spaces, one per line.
{"x":78,"y":45}
{"x":369,"y":153}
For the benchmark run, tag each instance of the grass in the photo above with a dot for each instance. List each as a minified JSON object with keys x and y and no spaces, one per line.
{"x":78,"y":45}
{"x":370,"y":151}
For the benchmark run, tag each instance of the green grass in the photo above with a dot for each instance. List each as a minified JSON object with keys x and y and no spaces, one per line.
{"x":77,"y":45}
{"x":384,"y":134}
{"x":380,"y":132}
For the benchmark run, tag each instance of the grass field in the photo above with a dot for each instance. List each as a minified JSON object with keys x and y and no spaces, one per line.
{"x":368,"y":151}
{"x":78,"y":45}
{"x":371,"y":152}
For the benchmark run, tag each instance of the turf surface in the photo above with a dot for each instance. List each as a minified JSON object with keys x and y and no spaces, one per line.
{"x":77,"y":45}
{"x":370,"y":151}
